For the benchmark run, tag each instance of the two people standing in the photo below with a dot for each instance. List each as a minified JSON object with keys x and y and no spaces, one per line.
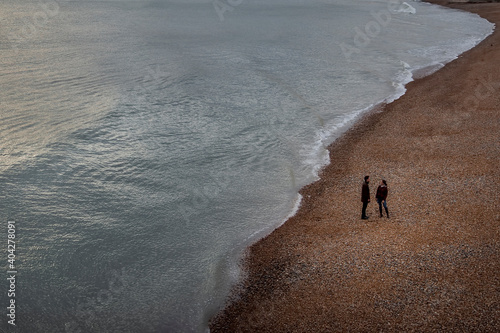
{"x":381,"y":197}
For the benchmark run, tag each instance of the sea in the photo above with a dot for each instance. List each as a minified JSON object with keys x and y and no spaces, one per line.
{"x":146,"y":144}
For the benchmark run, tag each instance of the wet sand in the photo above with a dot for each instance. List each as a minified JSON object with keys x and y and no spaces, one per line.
{"x":434,"y":265}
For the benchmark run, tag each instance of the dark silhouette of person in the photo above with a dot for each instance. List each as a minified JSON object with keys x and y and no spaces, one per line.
{"x":381,"y":197}
{"x":365,"y":197}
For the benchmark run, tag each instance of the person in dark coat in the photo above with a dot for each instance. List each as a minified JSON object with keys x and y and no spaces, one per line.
{"x":381,"y":197}
{"x":365,"y":196}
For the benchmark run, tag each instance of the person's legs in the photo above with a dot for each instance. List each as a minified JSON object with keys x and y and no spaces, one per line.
{"x":379,"y":201}
{"x":363,"y":212}
{"x":386,"y":210}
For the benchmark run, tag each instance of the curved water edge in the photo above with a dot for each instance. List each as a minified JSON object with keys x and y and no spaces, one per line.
{"x":144,"y":168}
{"x":319,"y":154}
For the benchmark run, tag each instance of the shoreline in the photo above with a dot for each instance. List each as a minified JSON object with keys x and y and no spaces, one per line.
{"x":434,"y":265}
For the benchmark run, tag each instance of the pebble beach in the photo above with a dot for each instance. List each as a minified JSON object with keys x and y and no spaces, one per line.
{"x":434,"y":265}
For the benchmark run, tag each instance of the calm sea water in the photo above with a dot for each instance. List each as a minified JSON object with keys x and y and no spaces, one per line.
{"x":145,"y":144}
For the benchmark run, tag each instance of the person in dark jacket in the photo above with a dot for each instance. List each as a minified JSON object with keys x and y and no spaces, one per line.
{"x":365,"y":196}
{"x":381,"y":197}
